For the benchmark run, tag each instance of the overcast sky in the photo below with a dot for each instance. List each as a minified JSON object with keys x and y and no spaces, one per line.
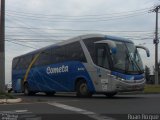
{"x":30,"y":22}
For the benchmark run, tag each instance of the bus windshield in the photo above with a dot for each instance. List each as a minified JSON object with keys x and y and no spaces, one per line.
{"x":127,"y":59}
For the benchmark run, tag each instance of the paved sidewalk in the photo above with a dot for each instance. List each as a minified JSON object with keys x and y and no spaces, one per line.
{"x":4,"y":101}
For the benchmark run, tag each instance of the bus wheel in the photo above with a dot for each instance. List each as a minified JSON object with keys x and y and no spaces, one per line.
{"x":110,"y":94}
{"x":82,"y":89}
{"x":15,"y":91}
{"x":10,"y":90}
{"x":27,"y":91}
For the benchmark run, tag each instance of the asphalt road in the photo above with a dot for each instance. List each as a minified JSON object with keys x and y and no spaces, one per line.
{"x":69,"y":107}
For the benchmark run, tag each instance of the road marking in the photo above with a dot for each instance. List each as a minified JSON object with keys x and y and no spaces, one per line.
{"x":21,"y":111}
{"x":16,"y":111}
{"x":81,"y":111}
{"x":18,"y":114}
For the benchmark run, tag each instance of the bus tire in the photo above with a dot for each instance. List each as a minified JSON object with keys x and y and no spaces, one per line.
{"x":15,"y":91}
{"x":27,"y":91}
{"x":10,"y":90}
{"x":110,"y":95}
{"x":82,"y":89}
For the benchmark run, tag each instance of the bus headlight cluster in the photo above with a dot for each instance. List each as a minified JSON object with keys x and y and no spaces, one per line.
{"x":121,"y":79}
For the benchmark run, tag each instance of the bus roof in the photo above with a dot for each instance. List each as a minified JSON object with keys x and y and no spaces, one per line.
{"x":78,"y":38}
{"x":118,"y":39}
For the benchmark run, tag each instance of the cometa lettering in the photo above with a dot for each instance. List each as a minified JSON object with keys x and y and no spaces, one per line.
{"x":56,"y":70}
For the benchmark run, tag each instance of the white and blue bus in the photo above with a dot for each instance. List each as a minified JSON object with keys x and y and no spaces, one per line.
{"x":87,"y":64}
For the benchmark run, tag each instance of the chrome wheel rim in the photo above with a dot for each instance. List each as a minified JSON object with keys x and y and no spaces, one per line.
{"x":83,"y":89}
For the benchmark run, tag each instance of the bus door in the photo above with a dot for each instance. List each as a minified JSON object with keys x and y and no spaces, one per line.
{"x":102,"y":61}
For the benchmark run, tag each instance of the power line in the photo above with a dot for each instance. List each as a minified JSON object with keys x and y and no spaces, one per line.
{"x":32,"y":40}
{"x":89,"y":15}
{"x":92,"y":20}
{"x":30,"y":29}
{"x":65,"y":34}
{"x":75,"y":18}
{"x":32,"y":35}
{"x":21,"y":44}
{"x":53,"y":40}
{"x":72,"y":29}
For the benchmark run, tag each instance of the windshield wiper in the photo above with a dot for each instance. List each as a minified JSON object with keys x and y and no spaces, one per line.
{"x":132,"y":61}
{"x":135,"y":63}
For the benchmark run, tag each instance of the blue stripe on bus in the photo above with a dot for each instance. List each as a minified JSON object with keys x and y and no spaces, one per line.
{"x":128,"y":77}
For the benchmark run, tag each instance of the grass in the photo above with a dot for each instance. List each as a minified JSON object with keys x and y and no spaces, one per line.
{"x":6,"y":96}
{"x":152,"y":89}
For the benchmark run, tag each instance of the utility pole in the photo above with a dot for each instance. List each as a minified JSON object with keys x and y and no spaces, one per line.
{"x":2,"y":46}
{"x":156,"y":41}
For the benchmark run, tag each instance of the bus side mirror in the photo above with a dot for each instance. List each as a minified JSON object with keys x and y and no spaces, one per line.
{"x":111,"y":45}
{"x":146,"y":49}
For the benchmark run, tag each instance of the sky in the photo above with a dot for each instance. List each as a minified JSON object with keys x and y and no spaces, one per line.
{"x":33,"y":24}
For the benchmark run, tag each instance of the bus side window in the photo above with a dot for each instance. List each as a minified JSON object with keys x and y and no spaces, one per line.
{"x":102,"y":56}
{"x":15,"y":63}
{"x":90,"y":44}
{"x":28,"y":60}
{"x":74,"y":52}
{"x":20,"y":63}
{"x":58,"y":55}
{"x":43,"y":59}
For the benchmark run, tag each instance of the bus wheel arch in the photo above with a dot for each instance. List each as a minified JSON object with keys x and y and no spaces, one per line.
{"x":25,"y":88}
{"x":81,"y":88}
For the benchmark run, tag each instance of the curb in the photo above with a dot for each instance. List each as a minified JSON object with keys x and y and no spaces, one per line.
{"x":143,"y":93}
{"x":2,"y":101}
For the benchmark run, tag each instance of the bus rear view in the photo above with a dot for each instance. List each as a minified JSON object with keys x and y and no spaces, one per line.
{"x":96,"y":64}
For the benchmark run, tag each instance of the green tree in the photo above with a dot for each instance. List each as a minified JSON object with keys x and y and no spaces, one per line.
{"x":147,"y":74}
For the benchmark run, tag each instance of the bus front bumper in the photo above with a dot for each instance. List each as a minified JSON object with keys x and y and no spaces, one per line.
{"x":128,"y":86}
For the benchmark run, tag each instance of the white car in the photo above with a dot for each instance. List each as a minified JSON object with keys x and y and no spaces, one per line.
{"x":9,"y":87}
